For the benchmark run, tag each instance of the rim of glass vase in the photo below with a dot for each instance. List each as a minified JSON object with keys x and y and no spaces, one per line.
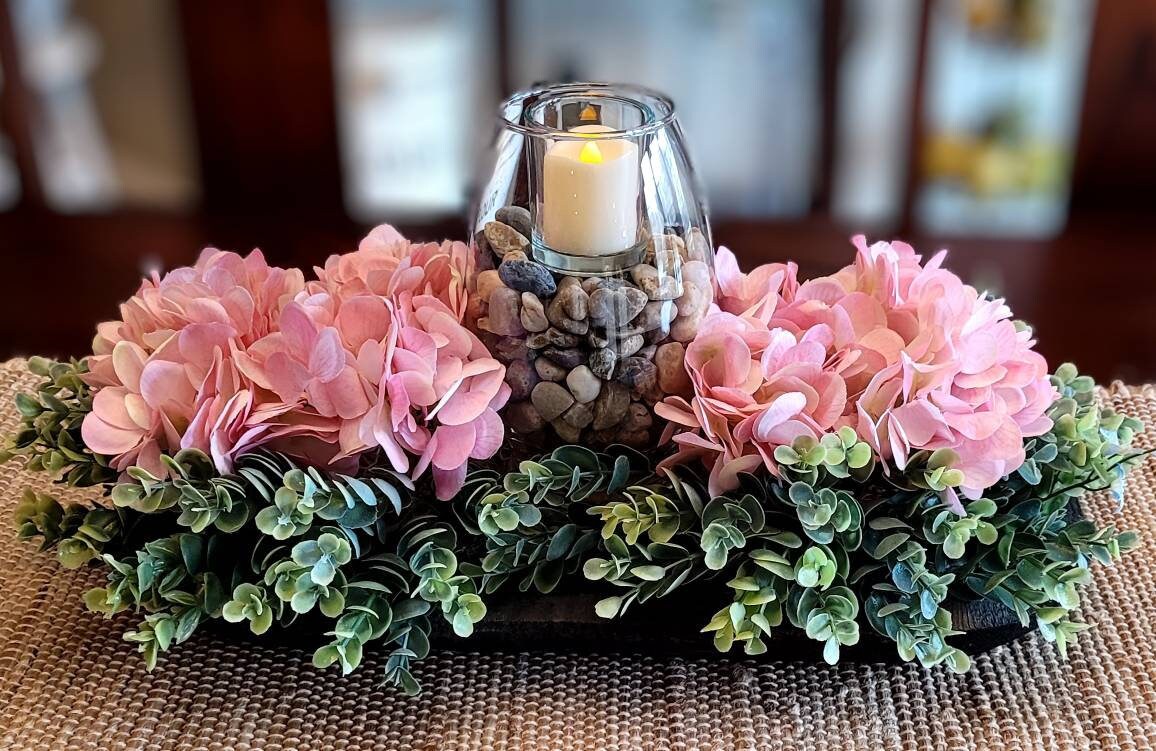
{"x":657,"y":108}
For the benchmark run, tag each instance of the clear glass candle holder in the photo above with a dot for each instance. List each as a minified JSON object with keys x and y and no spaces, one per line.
{"x":595,"y":260}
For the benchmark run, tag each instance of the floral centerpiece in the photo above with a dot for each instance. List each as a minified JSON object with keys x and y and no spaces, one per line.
{"x":842,"y":453}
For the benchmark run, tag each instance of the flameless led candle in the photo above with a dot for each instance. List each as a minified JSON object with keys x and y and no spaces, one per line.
{"x":590,"y":194}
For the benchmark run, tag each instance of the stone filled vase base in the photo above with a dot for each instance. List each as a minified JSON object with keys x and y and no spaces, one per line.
{"x":588,"y":355}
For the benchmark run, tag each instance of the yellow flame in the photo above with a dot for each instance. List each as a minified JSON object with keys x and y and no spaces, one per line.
{"x":590,"y":154}
{"x":588,"y":114}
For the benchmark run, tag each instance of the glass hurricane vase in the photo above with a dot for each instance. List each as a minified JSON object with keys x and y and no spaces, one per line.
{"x":594,"y":261}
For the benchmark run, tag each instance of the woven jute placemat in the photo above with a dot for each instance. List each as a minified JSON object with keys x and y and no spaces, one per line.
{"x":68,"y":681}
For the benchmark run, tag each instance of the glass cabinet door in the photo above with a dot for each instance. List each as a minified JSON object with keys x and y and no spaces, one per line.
{"x":744,"y":76}
{"x":111,"y":122}
{"x":415,"y":98}
{"x":1004,"y":82}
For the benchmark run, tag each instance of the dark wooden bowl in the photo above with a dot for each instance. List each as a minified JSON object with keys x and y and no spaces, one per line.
{"x":566,"y":622}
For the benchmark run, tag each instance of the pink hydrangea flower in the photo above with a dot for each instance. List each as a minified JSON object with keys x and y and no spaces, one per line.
{"x":148,"y":367}
{"x":977,"y":387}
{"x":232,"y":354}
{"x":142,"y":411}
{"x":756,"y":294}
{"x":378,"y":347}
{"x":926,"y":361}
{"x":388,"y":265}
{"x":755,"y":388}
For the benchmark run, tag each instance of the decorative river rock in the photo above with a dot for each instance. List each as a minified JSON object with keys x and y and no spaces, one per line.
{"x":588,"y":357}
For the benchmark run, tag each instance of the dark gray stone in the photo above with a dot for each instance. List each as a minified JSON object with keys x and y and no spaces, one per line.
{"x":516,"y":217}
{"x":511,"y":349}
{"x":557,"y":315}
{"x":572,"y":299}
{"x":615,"y":308}
{"x":638,"y":417}
{"x":656,"y":285}
{"x":504,"y":239}
{"x":583,"y":384}
{"x":520,"y":273}
{"x":569,"y":358}
{"x":578,"y":416}
{"x":548,"y":370}
{"x":629,"y":345}
{"x":551,"y":337}
{"x":522,"y":378}
{"x":533,"y":315}
{"x":566,"y":431}
{"x":523,"y":417}
{"x":503,"y":313}
{"x":655,"y":315}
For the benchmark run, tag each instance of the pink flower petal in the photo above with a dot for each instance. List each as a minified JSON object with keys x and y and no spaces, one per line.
{"x":361,"y":319}
{"x":165,"y":385}
{"x":286,"y":376}
{"x":109,"y":440}
{"x":128,"y":360}
{"x":447,"y":483}
{"x":920,"y":421}
{"x":298,"y":331}
{"x":328,"y":357}
{"x":347,"y":394}
{"x":453,"y":444}
{"x":489,"y":432}
{"x":976,"y":426}
{"x":777,"y":412}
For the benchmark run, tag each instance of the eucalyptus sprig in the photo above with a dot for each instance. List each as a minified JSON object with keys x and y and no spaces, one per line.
{"x":48,"y":438}
{"x":78,"y":533}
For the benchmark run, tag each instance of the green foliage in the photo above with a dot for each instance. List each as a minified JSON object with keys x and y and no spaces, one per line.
{"x":835,"y":456}
{"x":287,"y":498}
{"x":826,"y":616}
{"x":815,"y":568}
{"x":175,"y":580}
{"x":829,"y":537}
{"x":934,"y":470}
{"x":370,"y":564}
{"x":267,"y":544}
{"x":193,"y":487}
{"x":825,"y":512}
{"x":526,"y":519}
{"x":756,"y":610}
{"x":250,"y":603}
{"x":726,"y":524}
{"x":78,"y":533}
{"x":428,"y":546}
{"x":48,"y":438}
{"x":287,"y":517}
{"x":953,"y":532}
{"x":1088,"y":447}
{"x":906,"y":605}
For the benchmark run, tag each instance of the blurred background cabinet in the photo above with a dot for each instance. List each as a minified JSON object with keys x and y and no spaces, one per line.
{"x":1015,"y":132}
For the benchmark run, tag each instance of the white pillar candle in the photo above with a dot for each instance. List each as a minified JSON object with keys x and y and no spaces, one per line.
{"x":590,"y":194}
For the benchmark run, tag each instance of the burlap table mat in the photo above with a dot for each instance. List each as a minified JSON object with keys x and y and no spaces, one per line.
{"x":68,"y":681}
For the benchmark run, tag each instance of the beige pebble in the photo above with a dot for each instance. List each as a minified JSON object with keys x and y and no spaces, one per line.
{"x":551,"y":400}
{"x":488,"y":281}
